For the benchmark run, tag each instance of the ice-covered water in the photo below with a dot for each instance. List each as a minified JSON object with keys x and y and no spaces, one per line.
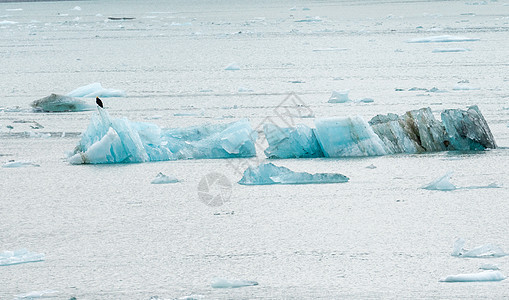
{"x":108,"y":233}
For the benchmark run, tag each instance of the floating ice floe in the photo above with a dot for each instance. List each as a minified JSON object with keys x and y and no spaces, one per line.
{"x":95,"y":90}
{"x":372,"y":166}
{"x":270,"y":174}
{"x":19,"y":257}
{"x":221,"y":283}
{"x":449,"y":50}
{"x":482,"y":276}
{"x":483,"y":251}
{"x":463,"y":87}
{"x":192,"y":297}
{"x":77,"y":8}
{"x":162,"y":179}
{"x":416,"y":131}
{"x":38,"y":294}
{"x":233,"y":67}
{"x":112,"y":140}
{"x":489,"y":267}
{"x":442,"y":39}
{"x":339,"y":97}
{"x":6,"y":22}
{"x":19,"y":164}
{"x":60,"y":103}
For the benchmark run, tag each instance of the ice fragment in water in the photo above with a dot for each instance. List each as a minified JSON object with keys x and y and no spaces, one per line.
{"x":162,"y":179}
{"x":297,"y":142}
{"x":60,"y":103}
{"x":339,"y":97}
{"x":482,"y":276}
{"x":483,"y":251}
{"x":221,"y":283}
{"x":442,"y":39}
{"x":442,"y":183}
{"x":19,"y":257}
{"x":95,"y":90}
{"x":232,"y":67}
{"x":19,"y":164}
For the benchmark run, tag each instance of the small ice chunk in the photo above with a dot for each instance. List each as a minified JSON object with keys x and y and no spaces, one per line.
{"x":372,"y":166}
{"x":162,"y":179}
{"x":442,"y":39}
{"x":482,"y":276}
{"x":221,"y":283}
{"x":19,"y":164}
{"x":489,"y":267}
{"x":233,"y":67}
{"x":441,"y":184}
{"x":192,"y":297}
{"x":77,"y":8}
{"x":483,"y":251}
{"x":366,"y":100}
{"x":95,"y":90}
{"x":270,"y":174}
{"x":19,"y":257}
{"x":37,"y":294}
{"x":339,"y":97}
{"x":60,"y":103}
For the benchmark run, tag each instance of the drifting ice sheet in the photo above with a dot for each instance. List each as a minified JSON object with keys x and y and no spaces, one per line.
{"x":482,"y":276}
{"x":442,"y":39}
{"x":19,"y":257}
{"x":95,"y":90}
{"x":221,"y":283}
{"x":483,"y":251}
{"x":270,"y":174}
{"x":111,"y":140}
{"x":60,"y":103}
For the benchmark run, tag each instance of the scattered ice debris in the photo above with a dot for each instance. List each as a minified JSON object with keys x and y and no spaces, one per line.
{"x":442,"y":39}
{"x":463,"y":87}
{"x":270,"y":174}
{"x":60,"y":103}
{"x":38,"y":294}
{"x":441,"y":184}
{"x":339,"y":97}
{"x":483,"y":251}
{"x":19,"y":257}
{"x":19,"y":164}
{"x":482,"y":276}
{"x":449,"y":50}
{"x":372,"y":166}
{"x":112,"y":140}
{"x":233,"y":67}
{"x":221,"y":283}
{"x":95,"y":90}
{"x":416,"y":131}
{"x":162,"y":179}
{"x":489,"y":267}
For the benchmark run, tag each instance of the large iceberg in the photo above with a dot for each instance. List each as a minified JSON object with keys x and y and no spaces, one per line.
{"x":95,"y":90}
{"x":270,"y":174}
{"x":61,"y":103}
{"x":114,"y":140}
{"x":415,"y":131}
{"x":19,"y":257}
{"x":482,"y":276}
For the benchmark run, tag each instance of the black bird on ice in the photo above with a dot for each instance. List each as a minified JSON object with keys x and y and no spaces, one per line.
{"x":99,"y":102}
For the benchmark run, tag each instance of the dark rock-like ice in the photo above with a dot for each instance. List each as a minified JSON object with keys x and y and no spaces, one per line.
{"x":270,"y":174}
{"x":61,"y":103}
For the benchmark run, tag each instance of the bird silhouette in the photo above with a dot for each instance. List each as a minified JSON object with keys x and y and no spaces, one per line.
{"x":99,"y":102}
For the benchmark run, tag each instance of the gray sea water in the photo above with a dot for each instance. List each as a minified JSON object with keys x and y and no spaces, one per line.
{"x":108,"y":233}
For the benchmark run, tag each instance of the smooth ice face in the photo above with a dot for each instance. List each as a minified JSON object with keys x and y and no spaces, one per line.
{"x":163,"y":179}
{"x":19,"y":257}
{"x":441,"y":184}
{"x":112,"y":140}
{"x":60,"y":103}
{"x":351,"y":136}
{"x":221,"y":283}
{"x":270,"y":174}
{"x":95,"y":90}
{"x":482,"y":276}
{"x":467,"y":130}
{"x":297,"y":142}
{"x":483,"y":251}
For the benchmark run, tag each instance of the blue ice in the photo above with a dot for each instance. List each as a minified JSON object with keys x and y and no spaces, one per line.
{"x":118,"y":140}
{"x":271,"y":174}
{"x":297,"y":142}
{"x":19,"y":257}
